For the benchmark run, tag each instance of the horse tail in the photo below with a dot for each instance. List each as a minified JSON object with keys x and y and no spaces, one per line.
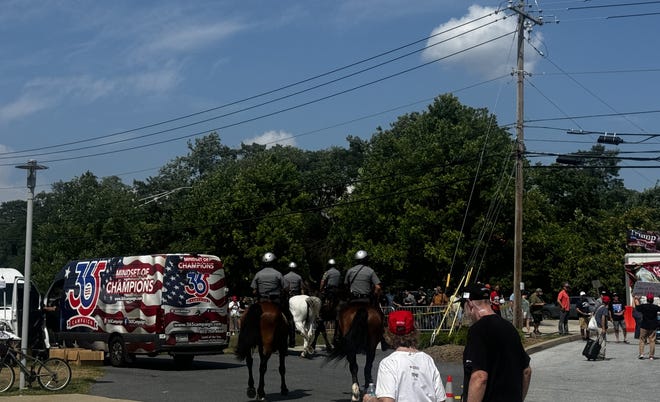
{"x":356,"y":339}
{"x":313,"y":308}
{"x":250,"y":334}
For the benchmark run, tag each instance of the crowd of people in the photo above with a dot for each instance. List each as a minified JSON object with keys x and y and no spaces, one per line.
{"x":493,"y":365}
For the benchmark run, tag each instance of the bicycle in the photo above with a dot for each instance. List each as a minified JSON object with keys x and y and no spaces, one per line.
{"x":52,"y":374}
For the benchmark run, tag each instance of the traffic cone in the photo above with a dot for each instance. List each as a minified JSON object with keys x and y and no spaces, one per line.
{"x":449,"y":389}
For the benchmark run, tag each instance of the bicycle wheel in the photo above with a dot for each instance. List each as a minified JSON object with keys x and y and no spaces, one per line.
{"x":54,"y":374}
{"x":7,"y":377}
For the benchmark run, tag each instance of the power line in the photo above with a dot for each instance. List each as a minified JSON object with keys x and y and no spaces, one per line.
{"x":268,"y":92}
{"x":297,"y":106}
{"x":639,"y":3}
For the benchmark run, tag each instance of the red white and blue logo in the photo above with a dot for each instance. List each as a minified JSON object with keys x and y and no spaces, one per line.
{"x":85,"y":295}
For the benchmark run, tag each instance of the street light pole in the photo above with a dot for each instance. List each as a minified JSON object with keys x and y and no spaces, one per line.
{"x":32,"y":168}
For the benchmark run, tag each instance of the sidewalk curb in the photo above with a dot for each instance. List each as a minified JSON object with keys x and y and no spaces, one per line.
{"x":552,"y":342}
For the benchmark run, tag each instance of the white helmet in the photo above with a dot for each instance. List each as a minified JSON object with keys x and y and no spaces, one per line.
{"x":331,"y":262}
{"x":268,"y":257}
{"x":293,"y":265}
{"x":361,"y":255}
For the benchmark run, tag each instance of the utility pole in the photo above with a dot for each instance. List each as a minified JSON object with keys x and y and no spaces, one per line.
{"x":523,"y":18}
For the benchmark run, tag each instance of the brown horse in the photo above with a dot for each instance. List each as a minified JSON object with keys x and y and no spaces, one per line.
{"x":360,"y":330}
{"x":263,"y":326}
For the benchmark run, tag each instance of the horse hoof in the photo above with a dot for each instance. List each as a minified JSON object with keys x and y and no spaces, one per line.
{"x":303,"y":354}
{"x":251,"y":393}
{"x":284,"y":391}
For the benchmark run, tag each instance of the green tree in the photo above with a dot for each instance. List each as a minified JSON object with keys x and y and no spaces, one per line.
{"x":408,"y":205}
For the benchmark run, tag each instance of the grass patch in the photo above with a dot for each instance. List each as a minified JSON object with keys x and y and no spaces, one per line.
{"x":82,"y":379}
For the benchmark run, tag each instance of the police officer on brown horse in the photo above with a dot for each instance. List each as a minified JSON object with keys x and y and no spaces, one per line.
{"x":362,"y":282}
{"x":268,"y":283}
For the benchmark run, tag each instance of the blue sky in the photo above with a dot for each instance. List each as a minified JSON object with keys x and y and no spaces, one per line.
{"x":84,"y":85}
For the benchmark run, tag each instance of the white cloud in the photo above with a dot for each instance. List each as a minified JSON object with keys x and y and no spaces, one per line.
{"x":154,"y":81}
{"x":272,"y":137}
{"x":25,"y":105}
{"x":47,"y":92}
{"x":192,"y":37}
{"x":490,"y":59}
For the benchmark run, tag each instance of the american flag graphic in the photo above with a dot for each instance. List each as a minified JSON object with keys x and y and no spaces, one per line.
{"x":180,"y":295}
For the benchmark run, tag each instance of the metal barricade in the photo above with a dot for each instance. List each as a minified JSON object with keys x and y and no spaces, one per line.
{"x":427,"y":318}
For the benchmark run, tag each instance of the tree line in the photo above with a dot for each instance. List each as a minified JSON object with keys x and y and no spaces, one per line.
{"x":432,"y":196}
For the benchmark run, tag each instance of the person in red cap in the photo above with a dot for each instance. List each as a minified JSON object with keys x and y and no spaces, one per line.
{"x":407,"y":374}
{"x":495,"y":364}
{"x":649,"y":324}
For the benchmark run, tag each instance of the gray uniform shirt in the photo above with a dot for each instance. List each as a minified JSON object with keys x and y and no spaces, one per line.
{"x":268,"y":282}
{"x":331,"y":278}
{"x":361,"y":279}
{"x":293,"y":283}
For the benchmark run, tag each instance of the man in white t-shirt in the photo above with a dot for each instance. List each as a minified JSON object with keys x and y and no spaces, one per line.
{"x":407,"y":374}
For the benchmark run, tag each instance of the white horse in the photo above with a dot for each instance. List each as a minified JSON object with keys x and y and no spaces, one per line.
{"x":305,"y":311}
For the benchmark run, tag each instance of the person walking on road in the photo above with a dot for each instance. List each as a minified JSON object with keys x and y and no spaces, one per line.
{"x":564,"y":301}
{"x":526,"y":314}
{"x":603,"y":316}
{"x":496,"y":366}
{"x":407,"y":374}
{"x":649,"y":324}
{"x":584,"y":314}
{"x":617,"y":309}
{"x":536,"y":304}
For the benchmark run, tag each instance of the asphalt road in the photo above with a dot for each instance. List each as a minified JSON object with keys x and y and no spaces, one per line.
{"x":223,"y":378}
{"x":560,"y":372}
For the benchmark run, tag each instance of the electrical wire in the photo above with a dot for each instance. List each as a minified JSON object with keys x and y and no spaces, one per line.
{"x":281,"y":88}
{"x":297,"y":106}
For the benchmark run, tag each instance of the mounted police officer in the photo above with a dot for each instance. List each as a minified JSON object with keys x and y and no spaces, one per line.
{"x":361,"y":280}
{"x":330,"y":283}
{"x":293,"y":285}
{"x":268,"y":283}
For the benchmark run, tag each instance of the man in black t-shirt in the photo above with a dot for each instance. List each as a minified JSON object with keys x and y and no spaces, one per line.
{"x":496,"y":366}
{"x":617,"y":310}
{"x":648,"y":325}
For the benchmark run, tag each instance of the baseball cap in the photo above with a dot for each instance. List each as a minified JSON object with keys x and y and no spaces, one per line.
{"x":475,"y":292}
{"x":400,"y":322}
{"x":649,"y":296}
{"x":606,"y":299}
{"x":582,"y":293}
{"x":539,"y":290}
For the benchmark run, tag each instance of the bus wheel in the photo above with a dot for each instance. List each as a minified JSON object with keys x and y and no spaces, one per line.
{"x":117,"y":351}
